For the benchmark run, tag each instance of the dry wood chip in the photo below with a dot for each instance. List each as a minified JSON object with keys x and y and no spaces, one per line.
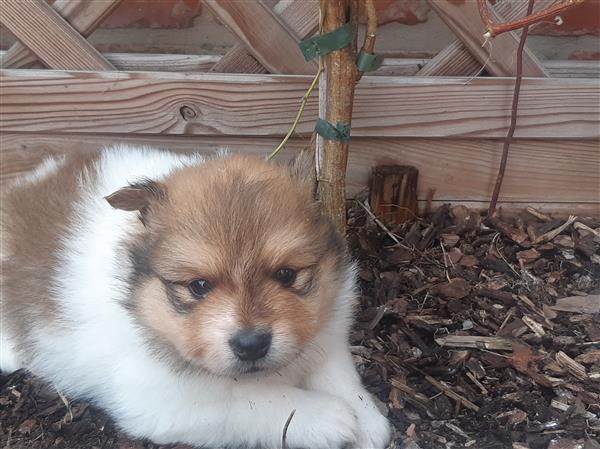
{"x":449,"y":240}
{"x":453,"y":256}
{"x":519,"y":446}
{"x":552,"y":234}
{"x":468,"y":261}
{"x":566,"y":443}
{"x":589,"y":357}
{"x":517,"y":417}
{"x":585,"y":229}
{"x":459,"y":357}
{"x":575,"y":368}
{"x":451,"y":393}
{"x":516,"y":235}
{"x":578,"y":304}
{"x":457,"y":288}
{"x":528,"y":255}
{"x":468,"y":341}
{"x":564,"y":241}
{"x":548,"y":312}
{"x":465,"y":219}
{"x":535,"y":327}
{"x":27,"y":426}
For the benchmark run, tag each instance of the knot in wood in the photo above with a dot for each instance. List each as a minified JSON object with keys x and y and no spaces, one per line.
{"x":188,"y":113}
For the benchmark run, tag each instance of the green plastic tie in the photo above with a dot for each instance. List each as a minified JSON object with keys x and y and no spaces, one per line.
{"x":339,"y":132}
{"x":322,"y":44}
{"x":367,"y":62}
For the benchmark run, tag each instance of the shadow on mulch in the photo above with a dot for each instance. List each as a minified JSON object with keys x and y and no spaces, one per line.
{"x":472,"y":332}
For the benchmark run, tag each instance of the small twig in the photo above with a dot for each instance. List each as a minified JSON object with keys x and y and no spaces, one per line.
{"x":446,"y":257}
{"x":499,"y":252}
{"x":451,"y":393}
{"x":506,"y":318}
{"x":285,"y":429}
{"x":580,"y":225}
{"x":485,"y":63}
{"x":537,"y":214}
{"x":381,"y":225}
{"x":68,"y":406}
{"x":494,"y":29}
{"x":477,"y":383}
{"x":371,"y":33}
{"x":513,"y":113}
{"x":554,"y":232}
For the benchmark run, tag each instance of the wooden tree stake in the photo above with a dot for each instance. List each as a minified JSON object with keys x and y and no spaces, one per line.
{"x":393,"y":193}
{"x":341,"y":73}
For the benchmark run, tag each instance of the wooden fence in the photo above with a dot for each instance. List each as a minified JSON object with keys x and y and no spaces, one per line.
{"x":415,"y":112}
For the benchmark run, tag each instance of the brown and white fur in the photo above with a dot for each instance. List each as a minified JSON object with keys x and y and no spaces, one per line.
{"x":99,"y":254}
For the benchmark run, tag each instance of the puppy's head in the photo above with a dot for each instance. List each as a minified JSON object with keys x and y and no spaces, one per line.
{"x":236,"y":269}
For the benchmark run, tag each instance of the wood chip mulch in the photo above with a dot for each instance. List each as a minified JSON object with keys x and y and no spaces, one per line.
{"x":473,"y":332}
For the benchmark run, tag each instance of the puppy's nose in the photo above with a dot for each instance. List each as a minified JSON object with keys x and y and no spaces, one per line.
{"x":251,"y":344}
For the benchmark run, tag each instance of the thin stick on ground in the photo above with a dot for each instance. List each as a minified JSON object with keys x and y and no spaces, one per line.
{"x":381,"y":225}
{"x":513,"y":115}
{"x":285,"y":429}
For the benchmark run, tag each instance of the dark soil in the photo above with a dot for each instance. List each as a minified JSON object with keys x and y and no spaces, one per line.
{"x":472,"y":332}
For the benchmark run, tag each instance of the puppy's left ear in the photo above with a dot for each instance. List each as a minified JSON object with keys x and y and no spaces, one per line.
{"x":138,"y":196}
{"x":303,"y":170}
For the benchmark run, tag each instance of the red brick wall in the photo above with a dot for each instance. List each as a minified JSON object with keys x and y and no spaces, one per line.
{"x":154,"y":14}
{"x":583,"y":19}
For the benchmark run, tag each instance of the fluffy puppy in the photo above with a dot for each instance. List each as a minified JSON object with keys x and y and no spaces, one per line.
{"x":197,"y":301}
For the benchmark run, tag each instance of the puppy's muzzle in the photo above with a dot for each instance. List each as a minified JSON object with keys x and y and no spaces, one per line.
{"x":251,"y":344}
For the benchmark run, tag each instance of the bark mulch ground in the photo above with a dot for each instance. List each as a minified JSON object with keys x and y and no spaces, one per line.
{"x":473,"y":332}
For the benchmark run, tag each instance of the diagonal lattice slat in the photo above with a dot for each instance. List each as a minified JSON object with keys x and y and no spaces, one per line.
{"x":287,"y":23}
{"x":464,"y":20}
{"x":42,"y":31}
{"x":457,"y":60}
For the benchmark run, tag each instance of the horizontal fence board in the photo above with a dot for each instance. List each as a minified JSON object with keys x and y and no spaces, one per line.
{"x":460,"y":170}
{"x":510,"y":208}
{"x":264,"y":105}
{"x":573,"y":68}
{"x":161,"y":62}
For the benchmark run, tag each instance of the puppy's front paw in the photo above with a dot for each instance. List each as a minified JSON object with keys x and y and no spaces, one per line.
{"x":326,"y":424}
{"x":374,"y":428}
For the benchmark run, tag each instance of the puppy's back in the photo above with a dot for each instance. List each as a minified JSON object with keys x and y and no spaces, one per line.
{"x":35,"y":212}
{"x":52,"y":221}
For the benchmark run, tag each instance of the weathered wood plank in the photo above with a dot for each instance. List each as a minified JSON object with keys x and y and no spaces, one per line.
{"x":159,"y":62}
{"x":464,"y":20}
{"x":151,"y":103}
{"x":511,"y":208}
{"x":301,"y":17}
{"x":454,"y":60}
{"x":573,"y":69}
{"x":83,"y":15}
{"x":238,"y":60}
{"x":151,"y":62}
{"x":50,"y":37}
{"x":277,"y":50}
{"x":461,"y":170}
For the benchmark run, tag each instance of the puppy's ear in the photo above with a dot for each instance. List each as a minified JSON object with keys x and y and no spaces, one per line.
{"x":137,"y":196}
{"x":303,"y":170}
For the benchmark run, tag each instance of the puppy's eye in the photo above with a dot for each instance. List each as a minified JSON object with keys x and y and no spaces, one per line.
{"x":285,"y":276}
{"x":199,"y":288}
